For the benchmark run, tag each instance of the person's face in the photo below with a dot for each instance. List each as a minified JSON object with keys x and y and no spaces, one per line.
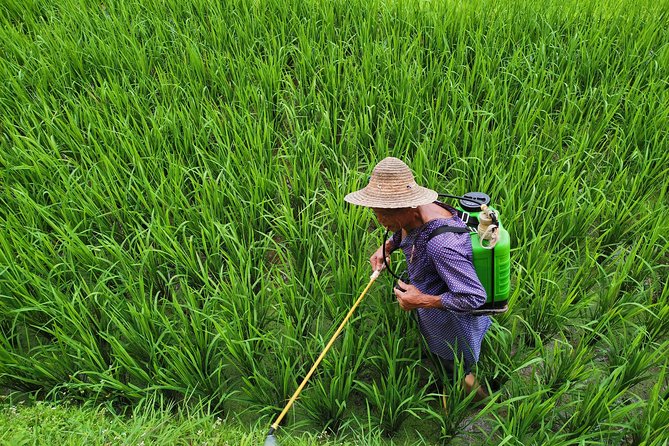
{"x":392,"y":219}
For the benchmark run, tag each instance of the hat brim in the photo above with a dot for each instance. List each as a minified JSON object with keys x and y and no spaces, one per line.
{"x":416,"y":196}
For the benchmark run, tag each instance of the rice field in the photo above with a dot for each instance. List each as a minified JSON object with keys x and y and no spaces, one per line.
{"x":173,"y":224}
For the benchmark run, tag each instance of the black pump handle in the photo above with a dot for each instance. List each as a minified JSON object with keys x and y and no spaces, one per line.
{"x":479,"y":199}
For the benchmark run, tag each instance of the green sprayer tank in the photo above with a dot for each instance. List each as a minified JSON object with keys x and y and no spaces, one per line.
{"x":493,"y":266}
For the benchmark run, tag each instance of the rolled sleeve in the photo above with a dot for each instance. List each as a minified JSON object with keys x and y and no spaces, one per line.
{"x":396,"y":240}
{"x":465,"y":292}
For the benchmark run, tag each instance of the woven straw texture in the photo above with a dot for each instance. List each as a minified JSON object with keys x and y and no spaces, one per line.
{"x":392,"y":186}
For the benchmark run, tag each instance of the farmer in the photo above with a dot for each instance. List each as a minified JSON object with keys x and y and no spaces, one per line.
{"x":444,"y":286}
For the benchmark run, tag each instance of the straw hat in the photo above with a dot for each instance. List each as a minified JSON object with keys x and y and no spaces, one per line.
{"x":392,"y":186}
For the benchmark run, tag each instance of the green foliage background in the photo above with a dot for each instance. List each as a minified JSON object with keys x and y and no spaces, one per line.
{"x":173,"y":220}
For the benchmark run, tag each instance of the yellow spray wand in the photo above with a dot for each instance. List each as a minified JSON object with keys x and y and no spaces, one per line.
{"x":271,"y":440}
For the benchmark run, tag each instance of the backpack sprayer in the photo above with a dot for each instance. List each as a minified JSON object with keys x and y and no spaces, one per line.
{"x":491,"y":247}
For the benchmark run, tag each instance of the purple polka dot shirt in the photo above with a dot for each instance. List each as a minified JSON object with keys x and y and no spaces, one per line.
{"x":443,"y":267}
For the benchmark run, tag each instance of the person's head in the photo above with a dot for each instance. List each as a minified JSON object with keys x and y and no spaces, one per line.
{"x":392,"y":193}
{"x":396,"y":219}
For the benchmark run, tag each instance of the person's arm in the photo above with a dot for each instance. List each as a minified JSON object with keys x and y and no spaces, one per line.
{"x":393,"y":242}
{"x":465,"y":292}
{"x":409,"y":297}
{"x":377,"y":258}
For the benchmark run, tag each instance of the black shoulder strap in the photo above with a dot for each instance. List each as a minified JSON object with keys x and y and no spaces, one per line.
{"x":441,"y":229}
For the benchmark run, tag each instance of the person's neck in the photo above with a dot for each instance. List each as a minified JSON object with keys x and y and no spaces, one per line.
{"x":415,"y":222}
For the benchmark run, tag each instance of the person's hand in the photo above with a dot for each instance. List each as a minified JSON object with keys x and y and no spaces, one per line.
{"x":377,"y":260}
{"x":409,"y":297}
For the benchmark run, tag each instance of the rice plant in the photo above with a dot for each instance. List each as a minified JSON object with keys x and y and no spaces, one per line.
{"x":397,"y":392}
{"x":173,"y":224}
